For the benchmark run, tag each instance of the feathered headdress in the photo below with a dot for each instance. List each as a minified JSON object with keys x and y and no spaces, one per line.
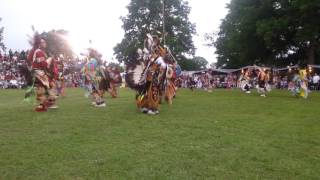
{"x":35,"y":40}
{"x":136,"y":68}
{"x":135,"y":74}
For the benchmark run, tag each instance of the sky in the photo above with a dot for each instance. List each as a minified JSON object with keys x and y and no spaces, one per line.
{"x":96,"y":20}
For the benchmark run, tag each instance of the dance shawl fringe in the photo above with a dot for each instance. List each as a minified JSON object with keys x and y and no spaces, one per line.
{"x":30,"y":92}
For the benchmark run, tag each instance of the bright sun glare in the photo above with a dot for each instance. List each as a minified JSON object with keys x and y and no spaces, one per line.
{"x":78,"y":43}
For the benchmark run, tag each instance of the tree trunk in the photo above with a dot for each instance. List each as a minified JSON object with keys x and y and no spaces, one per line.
{"x":311,"y":54}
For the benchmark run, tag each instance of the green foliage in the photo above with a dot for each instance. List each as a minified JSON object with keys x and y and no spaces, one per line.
{"x":57,"y":43}
{"x":10,"y":53}
{"x":23,"y":55}
{"x":145,"y":16}
{"x":193,"y":64}
{"x":270,"y":32}
{"x":117,"y":65}
{"x":221,"y":135}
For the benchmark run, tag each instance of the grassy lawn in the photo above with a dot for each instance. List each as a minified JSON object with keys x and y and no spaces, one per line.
{"x":221,"y":135}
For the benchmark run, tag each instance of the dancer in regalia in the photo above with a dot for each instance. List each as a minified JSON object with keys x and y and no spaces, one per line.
{"x":114,"y":79}
{"x":300,"y":84}
{"x":245,"y":81}
{"x":111,"y":81}
{"x":60,"y":79}
{"x":263,"y":79}
{"x":43,"y":73}
{"x":169,"y":84}
{"x":93,"y":75}
{"x":146,"y":75}
{"x":168,"y":88}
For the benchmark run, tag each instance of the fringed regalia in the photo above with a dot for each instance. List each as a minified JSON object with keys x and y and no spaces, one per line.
{"x":148,"y":99}
{"x":170,"y":87}
{"x":300,"y":84}
{"x":172,"y":70}
{"x":146,"y":74}
{"x":43,"y":73}
{"x":113,"y":81}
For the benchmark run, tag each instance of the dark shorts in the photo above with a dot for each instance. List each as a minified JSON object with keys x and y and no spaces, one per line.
{"x":262,"y":84}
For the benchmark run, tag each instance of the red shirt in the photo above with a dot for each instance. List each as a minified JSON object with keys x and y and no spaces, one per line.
{"x":55,"y":69}
{"x":37,"y":58}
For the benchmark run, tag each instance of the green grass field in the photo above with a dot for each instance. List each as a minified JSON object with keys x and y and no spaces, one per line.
{"x":221,"y":135}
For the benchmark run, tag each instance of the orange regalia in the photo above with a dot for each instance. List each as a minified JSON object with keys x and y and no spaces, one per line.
{"x":148,"y":100}
{"x":169,"y":84}
{"x":146,"y":75}
{"x":169,"y":90}
{"x":112,"y":81}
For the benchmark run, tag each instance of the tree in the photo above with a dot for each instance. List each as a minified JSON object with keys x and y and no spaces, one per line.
{"x":10,"y":53}
{"x":295,"y":27}
{"x":23,"y":55}
{"x":194,"y":64}
{"x":201,"y":63}
{"x":145,"y":16}
{"x":270,"y":32}
{"x":117,"y":66}
{"x":2,"y":46}
{"x":213,"y":65}
{"x":307,"y":28}
{"x":57,"y":43}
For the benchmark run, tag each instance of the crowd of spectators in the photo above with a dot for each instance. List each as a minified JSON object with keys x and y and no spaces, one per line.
{"x":11,"y":76}
{"x":204,"y":80}
{"x":284,"y":81}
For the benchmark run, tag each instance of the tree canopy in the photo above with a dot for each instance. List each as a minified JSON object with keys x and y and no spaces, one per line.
{"x":145,"y":16}
{"x":269,"y":32}
{"x":194,"y":64}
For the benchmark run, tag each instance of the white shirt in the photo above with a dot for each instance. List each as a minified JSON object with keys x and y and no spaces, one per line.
{"x":316,"y":79}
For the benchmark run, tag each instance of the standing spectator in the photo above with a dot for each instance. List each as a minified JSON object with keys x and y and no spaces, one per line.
{"x":316,"y":81}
